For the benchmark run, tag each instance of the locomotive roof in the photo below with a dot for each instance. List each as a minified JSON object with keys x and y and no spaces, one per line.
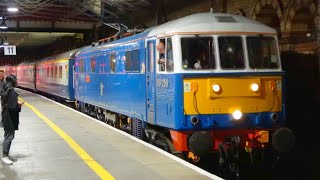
{"x":195,"y":24}
{"x":211,"y":22}
{"x":115,"y":42}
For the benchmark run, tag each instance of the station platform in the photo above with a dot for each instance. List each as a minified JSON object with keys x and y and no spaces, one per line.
{"x":58,"y":142}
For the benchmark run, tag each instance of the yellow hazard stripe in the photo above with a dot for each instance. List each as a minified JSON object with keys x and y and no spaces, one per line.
{"x":95,"y":166}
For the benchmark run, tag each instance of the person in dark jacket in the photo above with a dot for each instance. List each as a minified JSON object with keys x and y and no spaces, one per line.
{"x":2,"y":81}
{"x":11,"y":107}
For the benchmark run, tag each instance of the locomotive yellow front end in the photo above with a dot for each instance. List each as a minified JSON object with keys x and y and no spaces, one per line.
{"x":247,"y":107}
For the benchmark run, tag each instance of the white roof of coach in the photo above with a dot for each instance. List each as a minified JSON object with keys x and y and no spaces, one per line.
{"x":211,"y":22}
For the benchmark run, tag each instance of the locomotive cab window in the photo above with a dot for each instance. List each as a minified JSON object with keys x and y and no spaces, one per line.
{"x":197,"y":53}
{"x":165,"y":55}
{"x":231,"y":52}
{"x":262,"y":52}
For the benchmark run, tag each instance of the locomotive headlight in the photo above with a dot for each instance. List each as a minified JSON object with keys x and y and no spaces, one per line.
{"x":216,"y":88}
{"x":254,"y":87}
{"x":237,"y":114}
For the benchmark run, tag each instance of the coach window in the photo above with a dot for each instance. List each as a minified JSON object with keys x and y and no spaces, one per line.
{"x":112,"y":62}
{"x":262,"y":52}
{"x":60,"y":71}
{"x":55,"y":71}
{"x":48,"y":71}
{"x":231,"y":52}
{"x":67,"y":70}
{"x":198,"y":53}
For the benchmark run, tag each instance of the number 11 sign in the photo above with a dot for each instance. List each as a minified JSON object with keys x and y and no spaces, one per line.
{"x":9,"y":50}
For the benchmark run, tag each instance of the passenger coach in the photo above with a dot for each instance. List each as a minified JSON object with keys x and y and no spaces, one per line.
{"x":55,"y":75}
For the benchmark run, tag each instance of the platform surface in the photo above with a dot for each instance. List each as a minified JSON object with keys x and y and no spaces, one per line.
{"x":56,"y":142}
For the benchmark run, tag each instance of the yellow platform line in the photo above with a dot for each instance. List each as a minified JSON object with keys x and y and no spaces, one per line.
{"x":95,"y":166}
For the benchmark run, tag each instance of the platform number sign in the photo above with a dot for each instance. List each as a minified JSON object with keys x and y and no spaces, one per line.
{"x":9,"y":50}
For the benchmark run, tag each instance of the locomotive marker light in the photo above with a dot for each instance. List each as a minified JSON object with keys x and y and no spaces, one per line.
{"x":254,"y":87}
{"x":216,"y":88}
{"x":237,"y":114}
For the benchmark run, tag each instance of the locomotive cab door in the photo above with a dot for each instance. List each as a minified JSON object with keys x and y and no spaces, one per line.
{"x":150,"y":81}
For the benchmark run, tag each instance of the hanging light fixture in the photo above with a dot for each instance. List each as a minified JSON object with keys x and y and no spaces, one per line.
{"x":11,"y":7}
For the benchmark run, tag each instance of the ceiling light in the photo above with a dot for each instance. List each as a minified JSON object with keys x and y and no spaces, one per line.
{"x":3,"y":25}
{"x":12,"y":9}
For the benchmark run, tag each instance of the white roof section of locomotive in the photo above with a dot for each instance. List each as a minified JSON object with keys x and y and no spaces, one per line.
{"x":209,"y":22}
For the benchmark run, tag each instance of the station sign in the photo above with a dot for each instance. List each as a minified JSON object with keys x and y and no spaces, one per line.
{"x":10,"y":50}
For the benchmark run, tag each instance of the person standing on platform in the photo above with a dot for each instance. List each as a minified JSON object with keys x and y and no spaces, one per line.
{"x":11,"y":108}
{"x":1,"y":89}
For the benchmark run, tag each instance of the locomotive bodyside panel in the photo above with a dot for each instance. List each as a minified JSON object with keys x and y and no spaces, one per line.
{"x":118,"y":89}
{"x":165,"y":99}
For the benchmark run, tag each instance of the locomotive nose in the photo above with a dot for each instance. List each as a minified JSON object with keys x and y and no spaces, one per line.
{"x":200,"y":143}
{"x":283,"y":140}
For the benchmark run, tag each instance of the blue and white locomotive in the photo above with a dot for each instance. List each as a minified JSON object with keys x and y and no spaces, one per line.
{"x":219,"y":85}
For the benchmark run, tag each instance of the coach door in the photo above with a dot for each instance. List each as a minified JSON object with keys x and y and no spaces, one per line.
{"x":150,"y":81}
